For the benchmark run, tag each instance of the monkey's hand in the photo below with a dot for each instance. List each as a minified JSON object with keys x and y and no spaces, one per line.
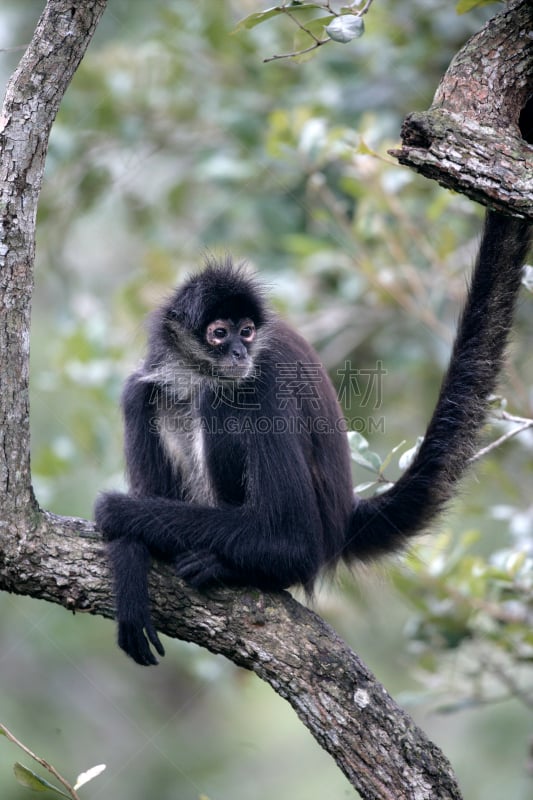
{"x":130,"y":562}
{"x":201,"y":568}
{"x":134,"y":638}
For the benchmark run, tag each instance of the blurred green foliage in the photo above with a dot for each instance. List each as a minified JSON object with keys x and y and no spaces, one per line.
{"x":175,"y":139}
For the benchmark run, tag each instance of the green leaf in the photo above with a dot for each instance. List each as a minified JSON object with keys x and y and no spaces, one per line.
{"x":362,"y":487}
{"x":315,"y":27}
{"x":407,"y":458}
{"x":357,"y":441}
{"x":249,"y":22}
{"x":361,"y":454}
{"x":384,"y":487}
{"x":306,"y":36}
{"x":34,"y":782}
{"x":369,"y":461}
{"x":464,"y":6}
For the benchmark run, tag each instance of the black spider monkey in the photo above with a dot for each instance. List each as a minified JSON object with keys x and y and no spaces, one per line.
{"x":237,"y":476}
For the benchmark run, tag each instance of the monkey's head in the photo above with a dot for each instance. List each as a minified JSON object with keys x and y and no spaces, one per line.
{"x":213,"y":321}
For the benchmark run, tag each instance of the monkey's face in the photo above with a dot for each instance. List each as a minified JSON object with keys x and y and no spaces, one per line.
{"x":230,"y":345}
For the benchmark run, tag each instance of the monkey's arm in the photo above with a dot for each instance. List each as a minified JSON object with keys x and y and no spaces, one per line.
{"x":149,"y":473}
{"x":273,"y":540}
{"x":384,"y":523}
{"x":130,"y":562}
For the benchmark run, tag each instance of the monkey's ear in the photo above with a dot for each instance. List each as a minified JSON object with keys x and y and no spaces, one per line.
{"x":175,"y":315}
{"x":167,"y":323}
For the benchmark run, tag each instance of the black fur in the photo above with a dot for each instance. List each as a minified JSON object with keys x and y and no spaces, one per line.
{"x":383,"y":523}
{"x":245,"y":479}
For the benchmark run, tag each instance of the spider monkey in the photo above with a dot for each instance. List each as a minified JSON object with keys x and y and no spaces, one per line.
{"x":237,"y":476}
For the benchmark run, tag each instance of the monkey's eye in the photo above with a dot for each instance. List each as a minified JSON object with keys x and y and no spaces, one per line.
{"x":216,"y":332}
{"x":247,"y":332}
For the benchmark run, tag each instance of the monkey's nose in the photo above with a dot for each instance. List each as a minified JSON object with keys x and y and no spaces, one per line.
{"x":238,"y":353}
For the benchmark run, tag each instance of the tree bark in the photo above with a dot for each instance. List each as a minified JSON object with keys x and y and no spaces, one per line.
{"x":374,"y":742}
{"x":31,"y":103}
{"x":477,"y":136}
{"x":62,"y":560}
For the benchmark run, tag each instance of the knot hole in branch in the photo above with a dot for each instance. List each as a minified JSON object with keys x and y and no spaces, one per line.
{"x":525,"y":121}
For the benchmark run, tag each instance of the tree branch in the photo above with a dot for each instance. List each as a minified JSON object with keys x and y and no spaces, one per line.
{"x":31,"y":103}
{"x":477,"y":136}
{"x":375,"y":743}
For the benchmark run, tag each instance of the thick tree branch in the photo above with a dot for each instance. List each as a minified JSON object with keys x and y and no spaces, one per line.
{"x":31,"y":103}
{"x":477,"y":136}
{"x":376,"y":744}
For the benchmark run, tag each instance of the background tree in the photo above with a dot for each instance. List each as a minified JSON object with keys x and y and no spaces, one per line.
{"x":148,"y":148}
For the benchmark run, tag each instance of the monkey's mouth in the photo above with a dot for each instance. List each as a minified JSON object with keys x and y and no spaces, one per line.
{"x":233,"y":369}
